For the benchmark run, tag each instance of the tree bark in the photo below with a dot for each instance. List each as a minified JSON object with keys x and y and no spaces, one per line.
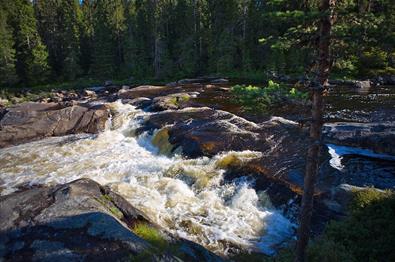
{"x":313,"y":154}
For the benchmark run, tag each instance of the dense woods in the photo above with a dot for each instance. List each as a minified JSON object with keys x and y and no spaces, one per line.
{"x":63,"y":40}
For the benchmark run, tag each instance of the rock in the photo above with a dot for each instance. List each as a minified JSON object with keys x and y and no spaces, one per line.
{"x":141,"y":91}
{"x":189,"y":81}
{"x":108,"y":83}
{"x":198,"y":81}
{"x":140,"y":102}
{"x":391,"y":80}
{"x":204,"y":131}
{"x":89,"y":93}
{"x":341,"y":82}
{"x":220,"y":81}
{"x":31,"y":121}
{"x":280,"y":168}
{"x":74,"y":222}
{"x":378,"y":137}
{"x":379,"y":80}
{"x":148,"y":91}
{"x":172,"y":84}
{"x":363,"y":84}
{"x":104,"y":90}
{"x":78,"y":221}
{"x":4,"y":102}
{"x":97,"y":89}
{"x":16,"y":100}
{"x":170,"y":102}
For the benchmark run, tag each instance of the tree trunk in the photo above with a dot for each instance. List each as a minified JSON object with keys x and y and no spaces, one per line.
{"x":313,"y":154}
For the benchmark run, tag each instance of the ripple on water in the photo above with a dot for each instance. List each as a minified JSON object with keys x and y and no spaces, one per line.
{"x":188,"y":197}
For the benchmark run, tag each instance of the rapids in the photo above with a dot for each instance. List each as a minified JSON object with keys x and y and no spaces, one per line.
{"x":188,"y":198}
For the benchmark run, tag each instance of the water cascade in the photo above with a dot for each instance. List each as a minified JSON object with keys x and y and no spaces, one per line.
{"x":188,"y":197}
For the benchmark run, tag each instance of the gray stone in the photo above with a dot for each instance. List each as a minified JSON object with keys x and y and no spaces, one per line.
{"x":78,"y":221}
{"x":31,"y":121}
{"x":378,"y":137}
{"x":363,"y":84}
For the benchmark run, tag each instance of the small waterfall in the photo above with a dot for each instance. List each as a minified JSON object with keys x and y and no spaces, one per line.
{"x":187,"y":197}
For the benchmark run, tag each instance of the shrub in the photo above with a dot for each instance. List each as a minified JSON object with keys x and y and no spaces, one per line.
{"x":368,"y":234}
{"x":254,"y":98}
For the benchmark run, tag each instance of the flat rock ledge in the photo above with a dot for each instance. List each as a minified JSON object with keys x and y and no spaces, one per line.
{"x":31,"y":121}
{"x":78,"y":221}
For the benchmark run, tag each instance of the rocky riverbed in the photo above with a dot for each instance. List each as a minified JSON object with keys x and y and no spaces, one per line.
{"x":184,"y":158}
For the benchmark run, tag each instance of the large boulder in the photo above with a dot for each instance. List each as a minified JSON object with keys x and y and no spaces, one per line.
{"x":207,"y":132}
{"x":72,"y":222}
{"x":79,"y":221}
{"x":30,"y":121}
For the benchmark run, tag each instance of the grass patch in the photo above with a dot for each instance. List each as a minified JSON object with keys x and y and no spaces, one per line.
{"x":107,"y":202}
{"x":150,"y":234}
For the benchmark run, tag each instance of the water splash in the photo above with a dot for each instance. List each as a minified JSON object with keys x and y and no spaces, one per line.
{"x":188,"y":198}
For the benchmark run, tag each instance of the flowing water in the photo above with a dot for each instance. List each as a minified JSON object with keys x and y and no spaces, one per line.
{"x":189,"y":198}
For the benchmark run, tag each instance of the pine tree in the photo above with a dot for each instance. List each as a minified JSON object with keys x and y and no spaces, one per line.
{"x":109,"y":28}
{"x":7,"y":52}
{"x":86,"y":28}
{"x":31,"y":55}
{"x":58,"y":22}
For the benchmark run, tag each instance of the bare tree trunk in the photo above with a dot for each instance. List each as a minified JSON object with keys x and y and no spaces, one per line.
{"x":313,"y":154}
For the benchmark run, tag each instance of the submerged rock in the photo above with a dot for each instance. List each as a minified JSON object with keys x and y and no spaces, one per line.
{"x":79,"y":221}
{"x":31,"y":121}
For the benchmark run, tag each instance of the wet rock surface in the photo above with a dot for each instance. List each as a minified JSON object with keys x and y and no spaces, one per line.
{"x":73,"y":222}
{"x":31,"y":121}
{"x":79,"y":221}
{"x":378,"y":137}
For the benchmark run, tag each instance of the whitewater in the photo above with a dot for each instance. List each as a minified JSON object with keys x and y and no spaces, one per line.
{"x":189,"y":198}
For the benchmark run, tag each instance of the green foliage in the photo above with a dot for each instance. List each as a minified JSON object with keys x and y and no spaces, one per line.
{"x":7,"y":52}
{"x":58,"y":24}
{"x":254,"y":98}
{"x":367,"y":234}
{"x":64,"y":40}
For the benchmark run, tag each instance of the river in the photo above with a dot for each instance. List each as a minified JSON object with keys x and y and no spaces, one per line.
{"x":187,"y":197}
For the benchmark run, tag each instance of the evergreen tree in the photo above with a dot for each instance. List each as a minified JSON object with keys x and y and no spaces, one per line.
{"x":109,"y":28}
{"x":31,"y":55}
{"x":7,"y":52}
{"x":86,"y":28}
{"x":58,"y":22}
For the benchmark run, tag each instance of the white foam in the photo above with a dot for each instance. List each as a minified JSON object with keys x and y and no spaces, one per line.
{"x":186,"y":197}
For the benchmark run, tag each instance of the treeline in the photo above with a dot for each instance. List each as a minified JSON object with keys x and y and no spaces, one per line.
{"x":62,"y":40}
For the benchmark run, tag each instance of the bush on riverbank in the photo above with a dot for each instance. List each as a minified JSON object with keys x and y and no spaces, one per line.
{"x":367,"y":234}
{"x":254,"y":98}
